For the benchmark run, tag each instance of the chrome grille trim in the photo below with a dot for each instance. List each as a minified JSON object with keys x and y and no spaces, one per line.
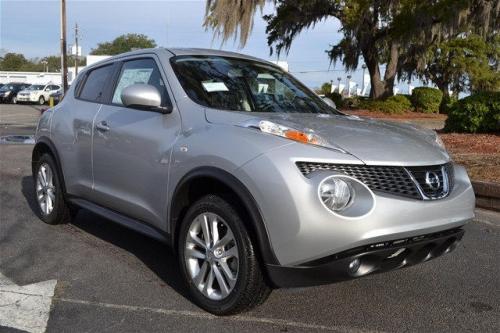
{"x":397,"y":180}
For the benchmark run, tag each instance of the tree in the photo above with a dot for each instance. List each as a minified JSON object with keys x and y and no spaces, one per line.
{"x":463,"y":64}
{"x":13,"y":62}
{"x":390,"y":32}
{"x":124,"y":43}
{"x":326,"y":88}
{"x":53,"y":62}
{"x":18,"y":62}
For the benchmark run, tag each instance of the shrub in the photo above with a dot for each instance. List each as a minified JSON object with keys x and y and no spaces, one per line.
{"x":426,"y":99}
{"x":392,"y":105}
{"x":447,"y":103}
{"x":403,"y":100}
{"x":352,"y":102}
{"x":336,"y":98}
{"x":476,"y":113}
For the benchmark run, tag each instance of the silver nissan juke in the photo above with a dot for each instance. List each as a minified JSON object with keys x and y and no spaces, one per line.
{"x":255,"y":181}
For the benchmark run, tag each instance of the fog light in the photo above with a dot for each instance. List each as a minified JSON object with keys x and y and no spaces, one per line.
{"x":354,"y":266}
{"x":335,"y":193}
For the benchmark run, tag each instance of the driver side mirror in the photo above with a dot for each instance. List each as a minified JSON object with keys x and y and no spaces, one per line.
{"x":143,"y":96}
{"x":329,"y":102}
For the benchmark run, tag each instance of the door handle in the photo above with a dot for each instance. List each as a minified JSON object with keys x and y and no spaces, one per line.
{"x":102,"y":126}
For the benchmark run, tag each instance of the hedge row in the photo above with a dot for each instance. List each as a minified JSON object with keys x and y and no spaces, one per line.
{"x":422,"y":99}
{"x":474,"y":114}
{"x":393,"y":105}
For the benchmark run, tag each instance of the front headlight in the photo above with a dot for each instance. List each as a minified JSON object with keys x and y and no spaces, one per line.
{"x":290,"y":133}
{"x":335,"y":193}
{"x":303,"y":136}
{"x":5,"y":94}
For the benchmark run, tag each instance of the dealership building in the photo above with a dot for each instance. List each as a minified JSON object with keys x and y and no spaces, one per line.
{"x":45,"y":77}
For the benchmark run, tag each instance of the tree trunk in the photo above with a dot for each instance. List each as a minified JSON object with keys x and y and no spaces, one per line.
{"x":391,"y":70}
{"x":381,"y":89}
{"x":443,"y":107}
{"x":376,"y":87}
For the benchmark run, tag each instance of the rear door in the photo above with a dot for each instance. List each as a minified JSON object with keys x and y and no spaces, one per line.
{"x":132,"y":147}
{"x":73,"y":130}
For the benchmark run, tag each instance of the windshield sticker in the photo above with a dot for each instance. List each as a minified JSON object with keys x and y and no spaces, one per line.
{"x":214,"y":86}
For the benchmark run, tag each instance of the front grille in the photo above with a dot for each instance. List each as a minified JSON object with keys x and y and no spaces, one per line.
{"x":408,"y":182}
{"x":443,"y":179}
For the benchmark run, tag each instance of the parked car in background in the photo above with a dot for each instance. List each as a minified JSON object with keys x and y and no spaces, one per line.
{"x":37,"y":93}
{"x":252,"y":178}
{"x":9,"y":91}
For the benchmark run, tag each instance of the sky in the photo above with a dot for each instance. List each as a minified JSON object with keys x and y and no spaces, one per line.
{"x":32,"y":28}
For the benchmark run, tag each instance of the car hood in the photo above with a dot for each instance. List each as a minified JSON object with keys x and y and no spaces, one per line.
{"x":374,"y":142}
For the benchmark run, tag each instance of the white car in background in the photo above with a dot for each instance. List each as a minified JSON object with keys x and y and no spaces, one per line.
{"x":37,"y":93}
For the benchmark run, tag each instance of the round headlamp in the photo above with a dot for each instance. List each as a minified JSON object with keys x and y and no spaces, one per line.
{"x":335,"y":193}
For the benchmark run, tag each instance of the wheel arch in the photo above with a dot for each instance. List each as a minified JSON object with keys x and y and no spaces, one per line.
{"x":45,"y":145}
{"x":211,"y":180}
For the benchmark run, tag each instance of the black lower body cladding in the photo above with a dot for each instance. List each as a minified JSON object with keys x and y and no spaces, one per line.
{"x":364,"y":260}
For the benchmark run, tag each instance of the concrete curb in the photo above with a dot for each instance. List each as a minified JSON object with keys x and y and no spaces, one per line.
{"x":487,"y":195}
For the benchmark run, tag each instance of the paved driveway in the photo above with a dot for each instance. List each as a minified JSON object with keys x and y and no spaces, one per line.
{"x":19,"y":119}
{"x":109,"y":279}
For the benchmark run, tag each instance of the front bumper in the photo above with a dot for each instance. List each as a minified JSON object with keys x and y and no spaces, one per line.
{"x":365,"y":260}
{"x":26,"y":98}
{"x":301,"y":229}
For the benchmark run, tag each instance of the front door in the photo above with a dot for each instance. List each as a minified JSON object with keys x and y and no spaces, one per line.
{"x":132,"y":149}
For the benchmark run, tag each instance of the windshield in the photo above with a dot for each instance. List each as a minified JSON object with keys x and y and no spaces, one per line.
{"x":243,"y":85}
{"x":35,"y":87}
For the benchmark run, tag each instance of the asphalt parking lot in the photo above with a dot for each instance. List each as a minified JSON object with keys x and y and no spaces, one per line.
{"x":110,"y":279}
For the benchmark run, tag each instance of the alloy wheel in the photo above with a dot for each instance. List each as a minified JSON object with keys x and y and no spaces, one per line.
{"x":45,"y":189}
{"x":211,"y":256}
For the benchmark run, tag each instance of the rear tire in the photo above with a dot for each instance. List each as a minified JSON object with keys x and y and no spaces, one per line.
{"x":49,"y":196}
{"x":41,"y":100}
{"x":223,"y":274}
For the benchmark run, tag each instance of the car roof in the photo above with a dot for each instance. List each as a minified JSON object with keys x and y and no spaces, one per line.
{"x":211,"y":52}
{"x":179,"y":52}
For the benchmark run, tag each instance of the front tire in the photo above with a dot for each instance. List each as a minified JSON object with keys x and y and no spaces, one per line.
{"x":49,"y":196}
{"x":218,"y":260}
{"x":14,"y":100}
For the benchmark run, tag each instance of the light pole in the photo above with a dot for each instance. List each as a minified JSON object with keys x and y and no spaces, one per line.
{"x":349,"y":85}
{"x":76,"y":51}
{"x":339,"y":79}
{"x":64,"y":65}
{"x":45,"y":65}
{"x":363,"y":84}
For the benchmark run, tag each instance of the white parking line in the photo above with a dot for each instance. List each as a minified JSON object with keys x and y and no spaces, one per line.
{"x":204,"y":315}
{"x":25,"y":307}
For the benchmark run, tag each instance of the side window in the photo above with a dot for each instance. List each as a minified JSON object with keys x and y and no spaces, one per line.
{"x":95,"y":84}
{"x":137,"y":72}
